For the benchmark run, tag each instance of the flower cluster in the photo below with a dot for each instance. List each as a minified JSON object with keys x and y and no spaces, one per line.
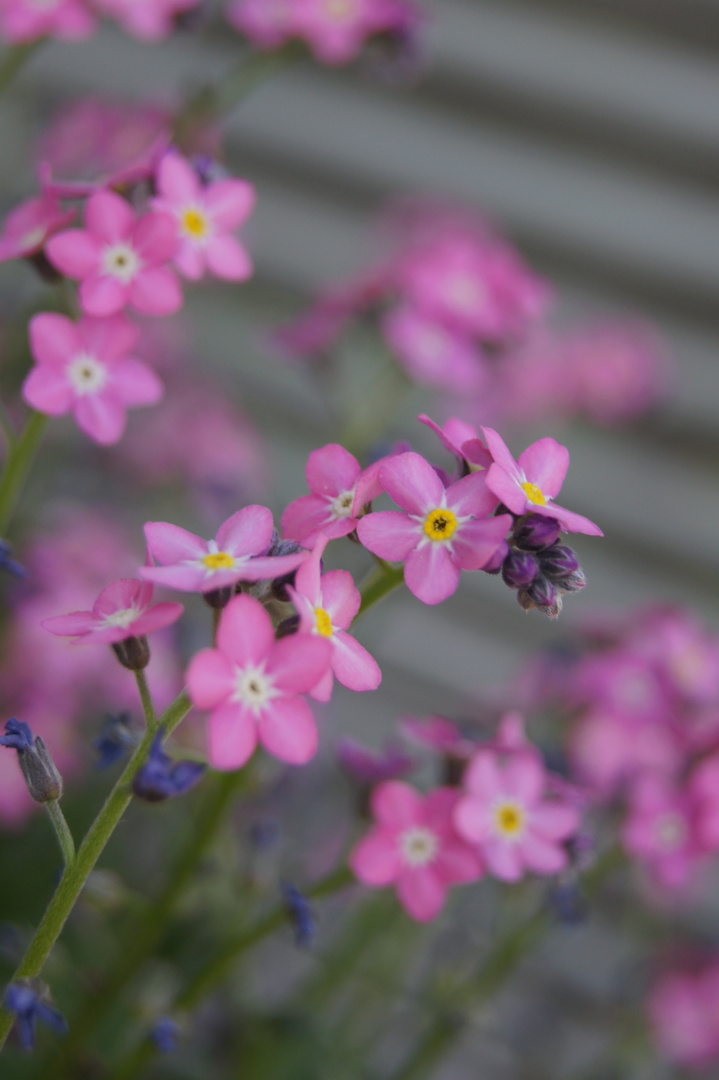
{"x":73,"y":20}
{"x":682,"y":1008}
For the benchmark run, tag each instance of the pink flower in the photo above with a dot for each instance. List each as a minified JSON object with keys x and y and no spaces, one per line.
{"x":122,"y":610}
{"x":659,"y":830}
{"x":149,"y":20}
{"x":251,"y":683}
{"x":704,"y":789}
{"x":27,"y":228}
{"x":461,"y":440}
{"x":507,"y":814}
{"x":607,"y":750}
{"x":433,"y":354}
{"x":529,"y":485}
{"x":83,"y":367}
{"x":120,"y":259}
{"x":204,"y":218}
{"x":415,"y":847}
{"x":370,"y":766}
{"x":28,"y":20}
{"x":267,"y":23}
{"x":443,"y":530}
{"x":335,"y":30}
{"x":195,"y":565}
{"x":327,"y":605}
{"x":339,"y":490}
{"x":683,"y":1009}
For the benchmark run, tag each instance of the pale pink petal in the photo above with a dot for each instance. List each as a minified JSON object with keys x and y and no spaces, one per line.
{"x":210,"y":678}
{"x":230,"y":202}
{"x":75,"y":253}
{"x":375,"y":859}
{"x":340,"y":599}
{"x":155,"y":238}
{"x":232,"y":737}
{"x":122,"y":595}
{"x":287,"y":729}
{"x":475,"y":544}
{"x":54,"y":339}
{"x":508,"y":490}
{"x":369,"y":486}
{"x":266,"y":568}
{"x":482,"y":776}
{"x":171,"y":544}
{"x":307,"y":579}
{"x":185,"y":578}
{"x":190,"y":260}
{"x":396,"y":804}
{"x":109,"y":216}
{"x":48,"y":391}
{"x":420,"y":892}
{"x":523,"y":778}
{"x":156,"y":291}
{"x":471,"y":496}
{"x":307,"y":516}
{"x":246,"y":634}
{"x":73,"y":624}
{"x":554,"y":821}
{"x":430,"y":574}
{"x":500,"y":453}
{"x":412,"y":483}
{"x":108,"y":339}
{"x":543,"y":856}
{"x":247,"y":532}
{"x":157,"y":618}
{"x":352,"y":664}
{"x":101,"y":295}
{"x":503,"y":859}
{"x":322,"y":691}
{"x":545,"y":463}
{"x":389,"y":534}
{"x":177,"y":181}
{"x":457,"y":862}
{"x":135,"y":383}
{"x":227,"y":259}
{"x":101,"y":416}
{"x":298,"y":662}
{"x":472,"y":819}
{"x":331,"y":470}
{"x":569,"y":521}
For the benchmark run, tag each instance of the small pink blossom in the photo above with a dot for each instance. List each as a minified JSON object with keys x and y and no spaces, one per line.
{"x":507,"y":814}
{"x":149,"y":20}
{"x":120,"y":259}
{"x":433,"y":354}
{"x":122,"y":610}
{"x":683,"y":1009}
{"x":339,"y":489}
{"x":336,"y":30}
{"x":28,"y":20}
{"x":659,"y":830}
{"x":530,"y":485}
{"x":205,"y":216}
{"x":415,"y":847}
{"x":443,"y":530}
{"x":84,"y":368}
{"x":461,"y":440}
{"x":236,"y":554}
{"x":28,"y":227}
{"x":327,"y":604}
{"x":608,"y":751}
{"x":266,"y":23}
{"x":252,"y":685}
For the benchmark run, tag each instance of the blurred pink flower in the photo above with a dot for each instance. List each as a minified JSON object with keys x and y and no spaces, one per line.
{"x":683,"y":1009}
{"x":659,"y":830}
{"x":336,"y":30}
{"x":149,"y":20}
{"x":266,"y":23}
{"x":123,"y":609}
{"x":28,"y":227}
{"x":434,"y":354}
{"x":27,"y":20}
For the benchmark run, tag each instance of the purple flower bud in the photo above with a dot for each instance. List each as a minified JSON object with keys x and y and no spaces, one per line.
{"x":29,"y":1000}
{"x":535,"y":531}
{"x":519,"y":568}
{"x":573,"y":583}
{"x":300,"y":913}
{"x":41,"y":776}
{"x":558,"y":561}
{"x":162,"y":778}
{"x":541,"y":591}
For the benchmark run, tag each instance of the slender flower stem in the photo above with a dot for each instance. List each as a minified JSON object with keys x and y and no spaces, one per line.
{"x":14,"y":59}
{"x":76,"y":874}
{"x":18,"y":465}
{"x":384,"y":579}
{"x":62,"y":829}
{"x":148,"y":705}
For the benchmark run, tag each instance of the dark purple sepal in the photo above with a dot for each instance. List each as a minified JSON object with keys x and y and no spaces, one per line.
{"x":519,"y":568}
{"x":533,"y":532}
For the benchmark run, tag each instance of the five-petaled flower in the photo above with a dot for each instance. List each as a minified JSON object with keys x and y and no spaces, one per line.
{"x":339,"y":489}
{"x":122,"y":610}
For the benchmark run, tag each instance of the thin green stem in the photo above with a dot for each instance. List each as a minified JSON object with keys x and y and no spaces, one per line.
{"x":14,"y":59}
{"x":148,"y":705}
{"x":62,"y":829}
{"x":18,"y":465}
{"x":384,"y":579}
{"x":76,"y":874}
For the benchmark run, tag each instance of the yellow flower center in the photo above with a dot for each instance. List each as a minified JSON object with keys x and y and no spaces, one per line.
{"x":440,"y":524}
{"x":509,"y":819}
{"x":534,"y":494}
{"x":194,"y":223}
{"x":219,"y":560}
{"x":323,"y":622}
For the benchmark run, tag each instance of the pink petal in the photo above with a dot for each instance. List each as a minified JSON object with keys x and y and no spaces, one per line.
{"x":109,"y":216}
{"x":230,"y":202}
{"x":523,"y":778}
{"x":171,"y":544}
{"x":545,"y":463}
{"x":542,"y":856}
{"x":375,"y":860}
{"x":507,"y":490}
{"x":48,"y":391}
{"x":156,"y":291}
{"x":186,"y":578}
{"x":73,"y":624}
{"x":269,"y":567}
{"x":503,"y":859}
{"x":109,"y":338}
{"x":210,"y":678}
{"x":123,"y":594}
{"x":475,"y":543}
{"x":482,"y":776}
{"x":190,"y":260}
{"x":470,"y":495}
{"x":102,"y":295}
{"x":340,"y":599}
{"x":307,"y":578}
{"x":554,"y":821}
{"x":352,"y":664}
{"x":500,"y":453}
{"x":369,"y":486}
{"x":331,"y":470}
{"x":323,"y":690}
{"x":177,"y":181}
{"x":421,"y":893}
{"x":75,"y":253}
{"x":227,"y":259}
{"x":136,"y":384}
{"x":246,"y":634}
{"x":101,"y":416}
{"x":457,"y":862}
{"x":307,"y":516}
{"x":389,"y":534}
{"x":232,"y":737}
{"x":247,"y":532}
{"x":54,"y":339}
{"x":298,"y":662}
{"x":155,"y":238}
{"x":157,"y":618}
{"x":396,"y":804}
{"x":412,"y":483}
{"x":569,"y":521}
{"x":430,"y":574}
{"x":287,"y":729}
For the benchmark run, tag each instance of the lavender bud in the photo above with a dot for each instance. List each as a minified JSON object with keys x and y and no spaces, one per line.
{"x":558,"y":561}
{"x":535,"y":531}
{"x":519,"y":568}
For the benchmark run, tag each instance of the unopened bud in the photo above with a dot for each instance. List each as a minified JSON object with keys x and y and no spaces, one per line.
{"x":536,"y":531}
{"x":519,"y":568}
{"x":41,"y":776}
{"x":288,"y":626}
{"x":541,"y":591}
{"x":558,"y":562}
{"x":133,"y":653}
{"x":573,"y":583}
{"x":218,"y":598}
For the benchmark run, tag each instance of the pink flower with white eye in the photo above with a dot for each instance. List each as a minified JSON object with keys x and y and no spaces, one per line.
{"x":415,"y":847}
{"x":84,"y":368}
{"x":530,"y":484}
{"x":195,"y":565}
{"x":506,"y":813}
{"x":122,"y":610}
{"x":461,"y":440}
{"x":336,"y":30}
{"x":443,"y":531}
{"x":433,"y":354}
{"x":683,"y":1009}
{"x":659,"y":831}
{"x":28,"y":227}
{"x":327,"y":605}
{"x":28,"y":20}
{"x":149,"y":20}
{"x":267,"y":23}
{"x":339,"y":489}
{"x":120,"y":259}
{"x":252,"y":685}
{"x":205,"y":216}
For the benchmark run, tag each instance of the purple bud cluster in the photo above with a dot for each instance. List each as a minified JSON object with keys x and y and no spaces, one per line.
{"x":540,"y":568}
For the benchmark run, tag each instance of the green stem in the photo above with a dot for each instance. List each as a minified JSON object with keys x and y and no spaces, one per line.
{"x":383,"y":581}
{"x":18,"y":465}
{"x":62,"y":829}
{"x":148,"y":705}
{"x":77,"y":873}
{"x":14,"y":59}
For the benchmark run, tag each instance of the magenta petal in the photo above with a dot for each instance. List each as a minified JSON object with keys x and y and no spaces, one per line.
{"x":340,"y":599}
{"x":500,"y":453}
{"x":227,"y":259}
{"x":331,"y":470}
{"x":375,"y":859}
{"x":157,"y":618}
{"x":287,"y":729}
{"x":73,"y":624}
{"x":232,"y":737}
{"x":396,"y":804}
{"x":156,"y":291}
{"x":471,"y":496}
{"x":108,"y":338}
{"x":322,"y":691}
{"x":246,"y":634}
{"x":352,"y":664}
{"x":185,"y":578}
{"x":430,"y":574}
{"x":101,"y":416}
{"x":230,"y":202}
{"x":389,"y":534}
{"x":75,"y":253}
{"x":171,"y":544}
{"x":307,"y":516}
{"x":503,"y":859}
{"x":155,"y":238}
{"x":554,"y":821}
{"x":545,"y":464}
{"x":247,"y":532}
{"x":102,"y":295}
{"x":543,"y":856}
{"x":369,"y":486}
{"x":265,"y":568}
{"x":482,"y":777}
{"x":109,"y":216}
{"x":122,"y":595}
{"x":507,"y":490}
{"x":54,"y":340}
{"x":177,"y":181}
{"x":210,"y":679}
{"x":298,"y":662}
{"x":307,"y":578}
{"x":471,"y":819}
{"x":569,"y":521}
{"x":190,"y":260}
{"x":476,"y":542}
{"x":458,"y":862}
{"x":412,"y":483}
{"x":421,"y":893}
{"x":523,"y":778}
{"x":48,"y":391}
{"x":136,"y":384}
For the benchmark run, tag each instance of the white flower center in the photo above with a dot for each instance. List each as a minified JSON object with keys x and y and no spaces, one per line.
{"x":466,"y":293}
{"x":254,"y":688}
{"x":671,"y":831}
{"x":121,"y":618}
{"x":86,"y":374}
{"x":33,"y":238}
{"x":341,"y":507}
{"x":418,"y":846}
{"x":121,"y":261}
